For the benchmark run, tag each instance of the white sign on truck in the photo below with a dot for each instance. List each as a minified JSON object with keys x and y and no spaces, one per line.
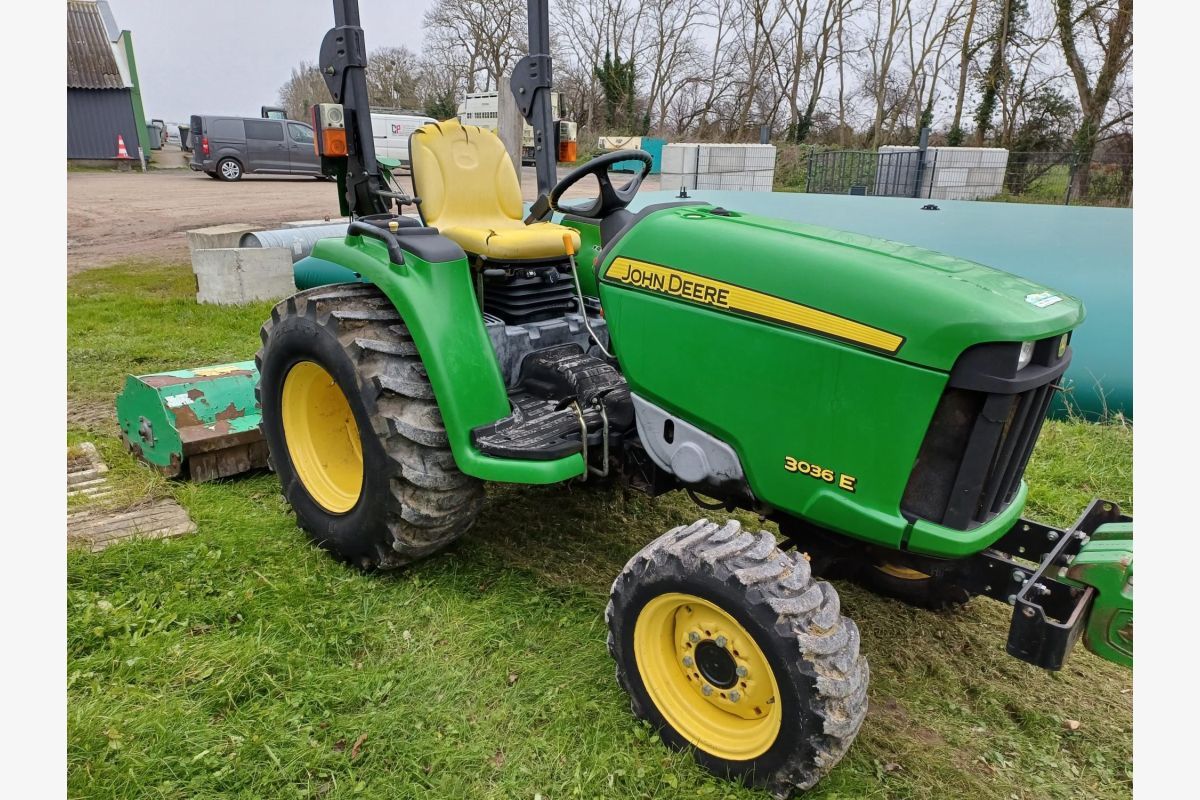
{"x":391,"y":132}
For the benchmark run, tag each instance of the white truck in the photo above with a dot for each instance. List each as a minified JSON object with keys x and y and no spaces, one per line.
{"x":391,"y":132}
{"x":482,"y":109}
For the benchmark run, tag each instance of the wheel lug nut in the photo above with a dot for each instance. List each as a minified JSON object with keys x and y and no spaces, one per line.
{"x":734,"y":696}
{"x":722,"y":641}
{"x":742,"y":672}
{"x":706,"y":689}
{"x":687,"y":661}
{"x":693,"y":637}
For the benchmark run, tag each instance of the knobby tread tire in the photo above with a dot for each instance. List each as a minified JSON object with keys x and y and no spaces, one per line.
{"x":801,"y":620}
{"x":424,"y":502}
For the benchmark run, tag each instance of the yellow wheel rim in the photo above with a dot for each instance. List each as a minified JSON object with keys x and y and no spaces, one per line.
{"x":687,"y":651}
{"x":904,"y":573}
{"x":322,"y":437}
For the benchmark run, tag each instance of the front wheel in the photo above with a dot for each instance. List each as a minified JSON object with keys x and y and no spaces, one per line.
{"x":728,"y":647}
{"x":354,"y":430}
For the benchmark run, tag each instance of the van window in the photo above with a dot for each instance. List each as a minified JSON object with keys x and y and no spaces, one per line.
{"x":300,"y":133}
{"x":264,"y":129}
{"x":226,"y":129}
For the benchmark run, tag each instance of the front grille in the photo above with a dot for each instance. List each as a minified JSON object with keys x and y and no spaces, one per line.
{"x":970,"y":464}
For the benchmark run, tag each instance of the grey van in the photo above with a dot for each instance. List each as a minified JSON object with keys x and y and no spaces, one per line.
{"x":226,"y":148}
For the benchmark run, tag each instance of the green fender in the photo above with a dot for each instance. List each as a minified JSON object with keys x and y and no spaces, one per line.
{"x":438,"y":304}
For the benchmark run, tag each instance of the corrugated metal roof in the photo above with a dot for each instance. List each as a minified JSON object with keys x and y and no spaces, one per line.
{"x":90,"y":60}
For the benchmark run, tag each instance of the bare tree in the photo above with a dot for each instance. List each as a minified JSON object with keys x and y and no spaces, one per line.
{"x":304,"y":89}
{"x":392,"y":78}
{"x":1097,"y":42}
{"x":997,"y":71}
{"x":670,"y":50}
{"x":966,"y":53}
{"x":480,"y":38}
{"x":883,"y":41}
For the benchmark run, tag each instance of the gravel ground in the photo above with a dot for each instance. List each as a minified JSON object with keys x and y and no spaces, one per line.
{"x":124,"y":216}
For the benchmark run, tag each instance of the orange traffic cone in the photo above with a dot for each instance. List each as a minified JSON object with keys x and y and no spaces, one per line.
{"x":122,"y":153}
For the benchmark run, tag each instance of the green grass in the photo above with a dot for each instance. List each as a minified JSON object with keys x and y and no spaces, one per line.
{"x":242,"y":662}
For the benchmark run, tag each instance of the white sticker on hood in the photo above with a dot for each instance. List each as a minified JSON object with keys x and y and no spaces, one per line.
{"x":1042,"y":299}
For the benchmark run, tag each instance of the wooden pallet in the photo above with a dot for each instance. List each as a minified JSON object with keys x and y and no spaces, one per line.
{"x":94,"y":529}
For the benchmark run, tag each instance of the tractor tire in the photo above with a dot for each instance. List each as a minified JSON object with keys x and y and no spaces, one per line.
{"x":728,"y":647}
{"x":910,"y":586}
{"x":354,"y":430}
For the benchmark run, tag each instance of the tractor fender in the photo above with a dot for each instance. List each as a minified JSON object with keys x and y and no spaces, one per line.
{"x":436,"y":300}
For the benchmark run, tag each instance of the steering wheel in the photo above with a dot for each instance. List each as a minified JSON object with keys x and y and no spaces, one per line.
{"x":611,"y":198}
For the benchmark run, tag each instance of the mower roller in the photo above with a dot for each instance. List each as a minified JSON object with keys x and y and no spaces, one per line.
{"x":878,"y":401}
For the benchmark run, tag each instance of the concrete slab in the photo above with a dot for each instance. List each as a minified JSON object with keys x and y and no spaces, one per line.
{"x":235,"y":275}
{"x":219,"y":236}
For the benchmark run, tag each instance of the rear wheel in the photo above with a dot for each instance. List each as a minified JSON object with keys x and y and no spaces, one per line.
{"x":229,"y":169}
{"x":729,"y":648}
{"x":354,"y":430}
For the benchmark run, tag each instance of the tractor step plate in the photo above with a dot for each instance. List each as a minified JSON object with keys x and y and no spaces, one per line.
{"x":561,"y":392}
{"x":203,"y":423}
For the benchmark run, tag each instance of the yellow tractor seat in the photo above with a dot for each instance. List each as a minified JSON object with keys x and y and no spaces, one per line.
{"x":470,"y":192}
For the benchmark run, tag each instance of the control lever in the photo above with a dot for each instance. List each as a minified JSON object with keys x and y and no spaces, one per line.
{"x":569,"y":243}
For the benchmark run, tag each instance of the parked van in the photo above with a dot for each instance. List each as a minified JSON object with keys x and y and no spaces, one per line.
{"x":391,"y":132}
{"x":226,"y":148}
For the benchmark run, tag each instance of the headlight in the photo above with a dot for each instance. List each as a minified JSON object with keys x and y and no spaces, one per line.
{"x":1026,"y":355}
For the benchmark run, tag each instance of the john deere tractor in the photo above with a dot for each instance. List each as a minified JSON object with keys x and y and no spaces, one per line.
{"x":879,"y":402}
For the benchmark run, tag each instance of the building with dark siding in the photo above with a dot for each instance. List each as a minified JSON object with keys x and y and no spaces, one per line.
{"x":103,"y":97}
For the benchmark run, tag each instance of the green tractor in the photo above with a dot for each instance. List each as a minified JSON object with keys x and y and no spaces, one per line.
{"x":879,"y":402}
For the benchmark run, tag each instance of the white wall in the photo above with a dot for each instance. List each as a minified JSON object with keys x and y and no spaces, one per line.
{"x":957,"y":173}
{"x":730,"y":167}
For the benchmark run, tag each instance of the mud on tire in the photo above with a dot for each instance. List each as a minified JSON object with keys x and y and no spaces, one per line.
{"x":414,"y":501}
{"x":796,"y":622}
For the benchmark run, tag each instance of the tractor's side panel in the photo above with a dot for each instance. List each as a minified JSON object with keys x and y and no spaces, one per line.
{"x":822,"y":429}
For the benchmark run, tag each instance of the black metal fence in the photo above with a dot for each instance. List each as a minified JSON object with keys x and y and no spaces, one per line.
{"x":974,"y":174}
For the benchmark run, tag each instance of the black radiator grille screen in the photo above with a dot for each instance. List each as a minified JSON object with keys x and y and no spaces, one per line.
{"x":970,"y":464}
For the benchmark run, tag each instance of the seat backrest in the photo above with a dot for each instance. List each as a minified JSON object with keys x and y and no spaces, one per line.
{"x":463,"y":175}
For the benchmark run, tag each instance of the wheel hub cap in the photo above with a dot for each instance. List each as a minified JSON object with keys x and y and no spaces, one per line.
{"x":716,"y":665}
{"x":707,"y":676}
{"x":322,"y":437}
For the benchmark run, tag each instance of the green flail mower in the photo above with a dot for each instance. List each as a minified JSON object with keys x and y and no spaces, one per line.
{"x":877,"y":401}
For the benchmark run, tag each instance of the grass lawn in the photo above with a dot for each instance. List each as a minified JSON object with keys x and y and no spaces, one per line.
{"x":243,"y":662}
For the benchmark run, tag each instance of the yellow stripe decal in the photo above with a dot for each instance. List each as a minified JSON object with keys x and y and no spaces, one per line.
{"x":718,"y":294}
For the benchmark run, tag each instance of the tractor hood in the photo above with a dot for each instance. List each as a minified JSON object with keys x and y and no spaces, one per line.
{"x":914,"y":304}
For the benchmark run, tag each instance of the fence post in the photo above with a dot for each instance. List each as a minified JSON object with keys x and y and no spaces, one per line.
{"x":922,"y":146}
{"x":1071,"y":178}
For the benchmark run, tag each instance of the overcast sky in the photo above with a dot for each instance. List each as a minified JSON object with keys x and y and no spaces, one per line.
{"x":231,"y":56}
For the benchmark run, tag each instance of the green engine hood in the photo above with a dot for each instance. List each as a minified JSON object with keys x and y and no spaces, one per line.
{"x":939,"y":305}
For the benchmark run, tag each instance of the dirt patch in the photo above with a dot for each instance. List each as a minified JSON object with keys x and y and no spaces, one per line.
{"x":124,"y":216}
{"x":887,"y":711}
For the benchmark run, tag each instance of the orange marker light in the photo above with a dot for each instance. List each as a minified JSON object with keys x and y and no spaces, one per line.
{"x":334,"y":140}
{"x":569,"y":243}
